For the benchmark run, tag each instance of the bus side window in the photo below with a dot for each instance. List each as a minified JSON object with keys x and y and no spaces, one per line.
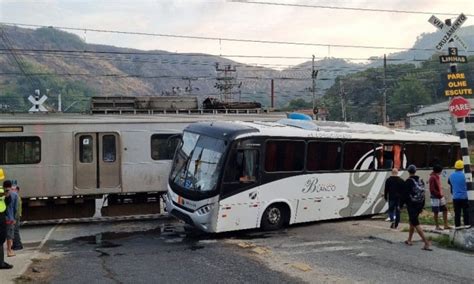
{"x":388,"y":156}
{"x":243,"y":166}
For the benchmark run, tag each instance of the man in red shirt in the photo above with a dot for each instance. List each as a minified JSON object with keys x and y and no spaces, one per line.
{"x":438,"y":202}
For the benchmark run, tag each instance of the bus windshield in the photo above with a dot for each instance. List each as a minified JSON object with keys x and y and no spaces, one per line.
{"x":197,"y":162}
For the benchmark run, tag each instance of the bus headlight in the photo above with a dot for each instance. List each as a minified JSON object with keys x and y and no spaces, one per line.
{"x":204,"y":209}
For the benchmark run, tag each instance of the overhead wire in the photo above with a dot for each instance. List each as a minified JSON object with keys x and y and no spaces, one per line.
{"x":224,"y":38}
{"x":377,"y":10}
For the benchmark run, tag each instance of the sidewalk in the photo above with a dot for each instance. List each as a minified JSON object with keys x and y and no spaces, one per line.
{"x":400,"y":234}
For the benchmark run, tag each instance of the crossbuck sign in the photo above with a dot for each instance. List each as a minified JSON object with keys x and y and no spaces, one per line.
{"x":37,"y":103}
{"x":449,"y":31}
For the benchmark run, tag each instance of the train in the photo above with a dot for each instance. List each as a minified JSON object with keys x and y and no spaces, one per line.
{"x":86,"y":165}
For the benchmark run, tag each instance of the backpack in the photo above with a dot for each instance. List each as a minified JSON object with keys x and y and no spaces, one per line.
{"x":417,"y":195}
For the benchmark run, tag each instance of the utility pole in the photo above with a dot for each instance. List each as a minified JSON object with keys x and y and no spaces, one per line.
{"x":342,"y":95}
{"x":384,"y":96}
{"x":314,"y":75}
{"x":272,"y":95}
{"x":226,"y":82}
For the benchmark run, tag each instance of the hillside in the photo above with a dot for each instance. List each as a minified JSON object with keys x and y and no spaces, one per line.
{"x":64,"y":63}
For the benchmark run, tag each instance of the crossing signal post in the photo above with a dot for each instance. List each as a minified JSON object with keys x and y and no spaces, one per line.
{"x":457,"y":87}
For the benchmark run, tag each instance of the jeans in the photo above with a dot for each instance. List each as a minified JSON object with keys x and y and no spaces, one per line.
{"x":16,"y":234}
{"x":461,"y":205}
{"x":394,"y":211}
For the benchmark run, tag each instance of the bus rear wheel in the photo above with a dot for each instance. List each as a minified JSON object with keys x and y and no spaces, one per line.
{"x":274,"y":217}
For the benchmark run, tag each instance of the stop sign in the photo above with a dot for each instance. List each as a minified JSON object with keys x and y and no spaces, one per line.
{"x":459,"y":107}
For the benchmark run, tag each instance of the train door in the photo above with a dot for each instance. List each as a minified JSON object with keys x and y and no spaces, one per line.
{"x":97,"y":160}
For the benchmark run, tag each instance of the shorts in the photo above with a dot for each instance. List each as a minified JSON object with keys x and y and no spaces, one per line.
{"x":438,"y":205}
{"x":414,"y":211}
{"x":10,"y":232}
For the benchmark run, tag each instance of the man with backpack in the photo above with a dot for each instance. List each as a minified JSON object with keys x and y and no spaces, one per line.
{"x":414,"y":197}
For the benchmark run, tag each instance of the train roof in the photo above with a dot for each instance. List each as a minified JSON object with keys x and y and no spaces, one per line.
{"x":343,"y":130}
{"x":61,"y":118}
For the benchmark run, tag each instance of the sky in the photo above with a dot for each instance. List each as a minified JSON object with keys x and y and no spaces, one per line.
{"x":227,"y":19}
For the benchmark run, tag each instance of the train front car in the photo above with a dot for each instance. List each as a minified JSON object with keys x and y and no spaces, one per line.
{"x":195,"y":178}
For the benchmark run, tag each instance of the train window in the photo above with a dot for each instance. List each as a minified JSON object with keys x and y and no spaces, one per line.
{"x":109,"y":149}
{"x":441,"y":155}
{"x":416,"y":154}
{"x":324,"y":156}
{"x":284,"y":156}
{"x":20,"y":150}
{"x":86,"y":149}
{"x":358,"y":156}
{"x":163,"y":146}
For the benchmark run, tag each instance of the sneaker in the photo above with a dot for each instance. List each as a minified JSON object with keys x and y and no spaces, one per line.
{"x":6,"y":266}
{"x":17,"y":248}
{"x":388,"y":219}
{"x":392,"y":226}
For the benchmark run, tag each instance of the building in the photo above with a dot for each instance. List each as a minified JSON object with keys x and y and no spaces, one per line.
{"x":437,"y":118}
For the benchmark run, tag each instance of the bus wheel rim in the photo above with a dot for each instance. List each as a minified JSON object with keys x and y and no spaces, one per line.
{"x":274,"y":215}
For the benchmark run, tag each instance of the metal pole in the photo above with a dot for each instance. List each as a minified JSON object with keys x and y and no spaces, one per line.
{"x":59,"y":103}
{"x":313,"y":89}
{"x":384,"y":106}
{"x":272,"y":95}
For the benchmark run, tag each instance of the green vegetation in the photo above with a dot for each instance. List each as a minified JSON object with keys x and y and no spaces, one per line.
{"x":75,"y":93}
{"x":426,"y":217}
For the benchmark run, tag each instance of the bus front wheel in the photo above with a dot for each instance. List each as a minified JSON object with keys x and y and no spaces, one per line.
{"x":274,"y":217}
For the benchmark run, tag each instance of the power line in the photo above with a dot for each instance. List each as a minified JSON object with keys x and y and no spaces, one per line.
{"x":225,"y":39}
{"x":348,"y":8}
{"x":55,"y":51}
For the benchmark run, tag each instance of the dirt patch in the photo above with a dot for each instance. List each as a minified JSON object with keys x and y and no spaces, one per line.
{"x":39,"y":271}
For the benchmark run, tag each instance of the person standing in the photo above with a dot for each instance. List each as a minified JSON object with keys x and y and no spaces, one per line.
{"x":17,"y":245}
{"x":438,"y":201}
{"x":10,"y":216}
{"x":457,"y":182}
{"x":414,"y":197}
{"x":393,"y":188}
{"x":3,"y":225}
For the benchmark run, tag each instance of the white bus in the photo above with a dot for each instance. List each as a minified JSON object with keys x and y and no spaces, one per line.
{"x":240,"y":175}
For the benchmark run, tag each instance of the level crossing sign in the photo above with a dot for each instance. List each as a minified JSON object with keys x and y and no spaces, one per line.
{"x":449,"y":31}
{"x":37,"y":103}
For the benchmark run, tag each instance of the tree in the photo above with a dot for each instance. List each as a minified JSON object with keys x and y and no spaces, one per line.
{"x":407,"y":96}
{"x":298,"y":104}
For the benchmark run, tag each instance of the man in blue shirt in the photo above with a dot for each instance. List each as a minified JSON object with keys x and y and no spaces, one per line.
{"x":457,"y":181}
{"x":10,"y":216}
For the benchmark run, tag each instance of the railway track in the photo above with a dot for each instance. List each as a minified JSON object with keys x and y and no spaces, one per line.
{"x":160,"y":216}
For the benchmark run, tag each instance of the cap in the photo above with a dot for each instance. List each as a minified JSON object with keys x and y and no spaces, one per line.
{"x":459,"y":165}
{"x":411,"y":169}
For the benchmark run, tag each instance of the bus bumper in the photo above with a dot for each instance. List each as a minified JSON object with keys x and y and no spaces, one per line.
{"x":193,"y":218}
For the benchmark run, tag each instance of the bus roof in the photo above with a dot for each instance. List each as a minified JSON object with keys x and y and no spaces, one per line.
{"x":344,"y":130}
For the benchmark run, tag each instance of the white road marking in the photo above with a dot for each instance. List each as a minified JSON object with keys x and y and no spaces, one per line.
{"x":324,"y":249}
{"x":315,"y":243}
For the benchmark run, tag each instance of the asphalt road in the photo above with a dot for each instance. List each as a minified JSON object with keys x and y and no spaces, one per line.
{"x":165,"y":252}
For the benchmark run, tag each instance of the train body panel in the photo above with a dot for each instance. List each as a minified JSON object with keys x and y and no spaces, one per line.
{"x":59,"y":155}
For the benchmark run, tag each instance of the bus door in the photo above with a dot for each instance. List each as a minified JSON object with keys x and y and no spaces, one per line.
{"x":97,"y":161}
{"x":240,"y":202}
